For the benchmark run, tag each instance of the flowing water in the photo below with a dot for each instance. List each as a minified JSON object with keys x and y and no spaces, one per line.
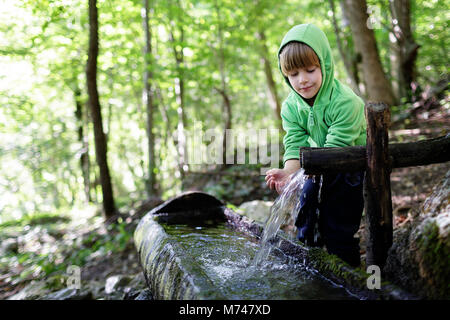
{"x":285,"y":206}
{"x":226,"y":257}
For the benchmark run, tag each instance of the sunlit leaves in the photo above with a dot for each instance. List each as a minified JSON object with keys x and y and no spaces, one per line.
{"x":42,"y":64}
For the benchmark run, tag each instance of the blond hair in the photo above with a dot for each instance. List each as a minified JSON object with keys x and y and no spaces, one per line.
{"x":297,"y":55}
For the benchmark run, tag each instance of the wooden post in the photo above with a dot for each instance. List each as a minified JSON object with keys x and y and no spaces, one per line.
{"x":377,"y":188}
{"x":377,"y":159}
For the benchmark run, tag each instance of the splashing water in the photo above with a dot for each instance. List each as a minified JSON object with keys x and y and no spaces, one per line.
{"x":284,"y":207}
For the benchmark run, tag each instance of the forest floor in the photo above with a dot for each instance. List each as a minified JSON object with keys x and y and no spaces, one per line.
{"x":36,"y":252}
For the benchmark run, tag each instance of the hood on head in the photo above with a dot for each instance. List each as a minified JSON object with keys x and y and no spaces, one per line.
{"x":317,"y":40}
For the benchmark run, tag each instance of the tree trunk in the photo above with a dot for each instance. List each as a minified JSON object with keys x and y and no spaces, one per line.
{"x":349,"y":63}
{"x":352,"y":54}
{"x":94,"y":104}
{"x":223,"y":89}
{"x":227,"y":111}
{"x":83,"y":138}
{"x":377,"y":86}
{"x":163,"y":109}
{"x":404,"y":47}
{"x":179,"y":93}
{"x":181,"y":143}
{"x":273,"y":95}
{"x":148,"y":103}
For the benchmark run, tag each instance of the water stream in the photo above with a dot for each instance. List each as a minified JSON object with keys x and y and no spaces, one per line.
{"x":285,"y":206}
{"x":226,"y":257}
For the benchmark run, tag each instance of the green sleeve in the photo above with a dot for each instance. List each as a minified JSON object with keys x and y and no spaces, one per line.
{"x":296,"y":136}
{"x":348,"y":124}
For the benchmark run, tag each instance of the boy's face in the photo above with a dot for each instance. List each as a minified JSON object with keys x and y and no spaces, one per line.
{"x":306,"y":81}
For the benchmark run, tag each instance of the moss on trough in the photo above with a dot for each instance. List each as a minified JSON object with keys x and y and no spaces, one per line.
{"x":333,"y":265}
{"x":338,"y":271}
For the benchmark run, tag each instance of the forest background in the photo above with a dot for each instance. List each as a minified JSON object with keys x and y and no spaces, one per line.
{"x":99,"y":124}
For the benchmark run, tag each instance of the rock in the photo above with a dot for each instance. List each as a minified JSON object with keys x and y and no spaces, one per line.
{"x":419,"y":257}
{"x":32,"y":291}
{"x":9,"y":245}
{"x":135,"y":287}
{"x":131,"y":294}
{"x":259,"y":211}
{"x":97,"y":288}
{"x":116,"y":283}
{"x":256,"y":210}
{"x":69,"y":294}
{"x":438,"y":202}
{"x":138,"y":281}
{"x":145,"y":295}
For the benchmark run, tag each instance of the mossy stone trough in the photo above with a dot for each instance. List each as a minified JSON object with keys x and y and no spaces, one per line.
{"x":172,"y":273}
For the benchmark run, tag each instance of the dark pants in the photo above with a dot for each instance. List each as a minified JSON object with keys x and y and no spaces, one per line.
{"x":335,"y":217}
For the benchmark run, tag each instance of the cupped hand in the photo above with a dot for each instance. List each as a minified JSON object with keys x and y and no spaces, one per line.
{"x":277,"y":179}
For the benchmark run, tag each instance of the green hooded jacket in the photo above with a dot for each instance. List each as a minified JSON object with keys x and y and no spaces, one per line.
{"x":337,"y":117}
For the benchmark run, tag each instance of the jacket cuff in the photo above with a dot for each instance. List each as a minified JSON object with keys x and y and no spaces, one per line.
{"x":290,"y":156}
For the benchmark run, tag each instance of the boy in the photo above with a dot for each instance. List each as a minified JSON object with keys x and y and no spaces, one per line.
{"x":320,"y":112}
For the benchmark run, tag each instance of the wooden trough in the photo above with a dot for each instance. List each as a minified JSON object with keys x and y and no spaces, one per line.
{"x":172,"y":273}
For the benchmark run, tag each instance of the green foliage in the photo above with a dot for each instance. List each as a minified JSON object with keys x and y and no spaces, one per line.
{"x":431,"y":29}
{"x":35,"y":219}
{"x":41,"y":257}
{"x":44,"y":52}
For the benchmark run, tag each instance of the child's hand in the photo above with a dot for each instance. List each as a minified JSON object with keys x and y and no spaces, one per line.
{"x":277,"y":178}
